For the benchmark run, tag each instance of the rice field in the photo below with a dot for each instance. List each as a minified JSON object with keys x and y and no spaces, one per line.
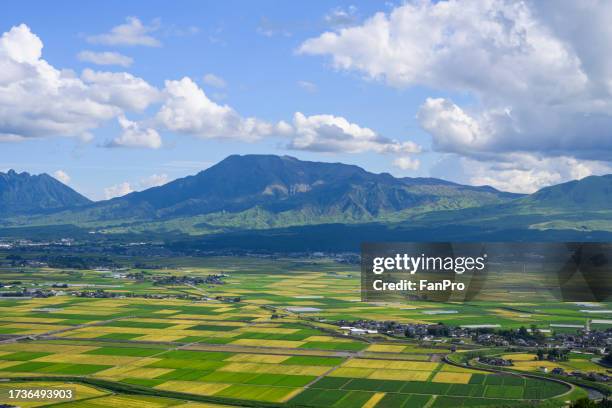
{"x":277,"y":345}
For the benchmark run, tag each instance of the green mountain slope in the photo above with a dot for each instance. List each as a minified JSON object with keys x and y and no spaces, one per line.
{"x":264,"y":191}
{"x":584,"y":205}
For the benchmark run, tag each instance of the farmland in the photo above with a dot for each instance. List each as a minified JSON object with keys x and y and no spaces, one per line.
{"x":277,"y":345}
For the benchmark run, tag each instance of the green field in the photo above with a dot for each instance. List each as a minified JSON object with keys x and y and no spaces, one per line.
{"x":185,"y":345}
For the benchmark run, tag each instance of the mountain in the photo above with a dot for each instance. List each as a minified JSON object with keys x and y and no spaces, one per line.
{"x":582,"y":205}
{"x":264,"y":191}
{"x":593,"y":193}
{"x":241,"y":196}
{"x":22,"y":193}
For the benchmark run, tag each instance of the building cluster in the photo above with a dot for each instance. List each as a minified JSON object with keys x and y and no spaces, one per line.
{"x":591,"y":341}
{"x":423,"y":332}
{"x":495,"y":361}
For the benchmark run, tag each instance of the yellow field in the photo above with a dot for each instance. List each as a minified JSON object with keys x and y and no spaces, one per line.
{"x":278,"y":330}
{"x":193,"y":387}
{"x":386,"y":348}
{"x":25,"y":319}
{"x":267,"y":343}
{"x":391,"y":364}
{"x":48,"y":348}
{"x":88,"y":359}
{"x":447,"y":368}
{"x":157,"y":337}
{"x":375,"y":399}
{"x":257,"y":358}
{"x":454,"y":378}
{"x":520,"y":357}
{"x":273,"y":369}
{"x":5,"y":364}
{"x":400,"y":375}
{"x":125,"y":401}
{"x":146,"y":372}
{"x":116,"y":372}
{"x":328,"y":338}
{"x":351,"y":372}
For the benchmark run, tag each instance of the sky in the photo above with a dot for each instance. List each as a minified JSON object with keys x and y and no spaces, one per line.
{"x":123,"y":96}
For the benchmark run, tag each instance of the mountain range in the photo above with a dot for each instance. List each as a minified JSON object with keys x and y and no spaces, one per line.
{"x":259,"y":192}
{"x":22,"y":193}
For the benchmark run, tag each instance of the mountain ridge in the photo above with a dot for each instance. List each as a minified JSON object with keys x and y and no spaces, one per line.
{"x":259,"y":191}
{"x":23,"y":193}
{"x":268,"y":191}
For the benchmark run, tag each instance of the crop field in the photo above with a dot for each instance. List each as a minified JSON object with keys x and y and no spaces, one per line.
{"x":259,"y":376}
{"x":273,"y":342}
{"x":576,"y":362}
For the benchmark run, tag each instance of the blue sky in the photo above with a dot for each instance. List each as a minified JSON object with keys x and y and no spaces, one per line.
{"x":426,"y":99}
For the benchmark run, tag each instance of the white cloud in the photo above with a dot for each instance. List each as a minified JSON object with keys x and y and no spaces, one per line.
{"x":214,"y":81}
{"x":407,"y":163}
{"x":188,"y":110}
{"x":28,"y":82}
{"x":450,"y":127}
{"x":121,"y":189}
{"x":79,"y":104}
{"x":526,"y":172}
{"x":135,"y":135}
{"x":83,"y":103}
{"x":328,"y":133}
{"x":307,"y":86}
{"x":121,"y":89}
{"x":21,"y":46}
{"x":341,"y":17}
{"x":62,"y":176}
{"x":105,"y":58}
{"x":534,"y":70}
{"x":118,"y":190}
{"x":133,"y":32}
{"x":155,"y":180}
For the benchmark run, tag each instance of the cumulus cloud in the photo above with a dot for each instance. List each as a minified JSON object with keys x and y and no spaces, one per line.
{"x":120,"y":89}
{"x":188,"y":110}
{"x":105,"y":58}
{"x":328,"y":133}
{"x":62,"y":176}
{"x":407,"y":163}
{"x":133,"y":32}
{"x":450,"y":127}
{"x":520,"y":172}
{"x":83,"y":103}
{"x":154,"y":180}
{"x":135,"y":134}
{"x":79,"y":104}
{"x":121,"y":189}
{"x":535,"y":71}
{"x":214,"y":81}
{"x":118,"y":190}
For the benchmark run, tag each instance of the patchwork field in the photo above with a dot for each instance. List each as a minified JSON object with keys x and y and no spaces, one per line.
{"x":259,"y":376}
{"x":272,"y":343}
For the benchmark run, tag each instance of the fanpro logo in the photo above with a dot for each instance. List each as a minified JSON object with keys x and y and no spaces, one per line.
{"x":413,"y":264}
